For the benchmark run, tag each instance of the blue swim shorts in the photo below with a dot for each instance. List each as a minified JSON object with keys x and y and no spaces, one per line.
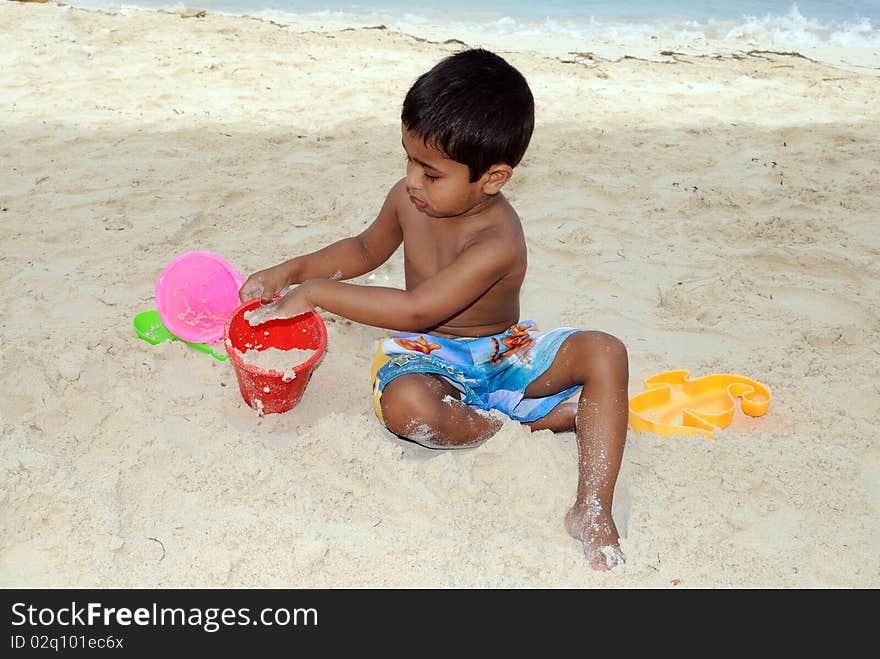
{"x":491,"y":372}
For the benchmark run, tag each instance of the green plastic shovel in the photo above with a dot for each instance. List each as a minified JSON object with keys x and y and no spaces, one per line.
{"x":150,"y":328}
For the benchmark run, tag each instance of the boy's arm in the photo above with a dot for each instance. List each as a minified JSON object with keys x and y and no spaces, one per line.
{"x":427,"y":305}
{"x":344,"y":259}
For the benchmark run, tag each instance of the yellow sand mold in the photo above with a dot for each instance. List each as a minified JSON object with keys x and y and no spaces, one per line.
{"x":675,"y":404}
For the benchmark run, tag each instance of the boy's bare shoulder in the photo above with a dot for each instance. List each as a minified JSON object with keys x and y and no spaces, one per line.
{"x":501,"y":227}
{"x":496,"y":244}
{"x":397,"y":195}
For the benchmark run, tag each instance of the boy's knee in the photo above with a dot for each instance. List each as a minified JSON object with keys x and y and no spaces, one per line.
{"x":408,"y":408}
{"x":599,"y":352}
{"x":597,"y":344}
{"x":611,"y":347}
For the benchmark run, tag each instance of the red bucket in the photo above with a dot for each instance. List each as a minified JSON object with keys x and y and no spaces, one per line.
{"x":269,"y":391}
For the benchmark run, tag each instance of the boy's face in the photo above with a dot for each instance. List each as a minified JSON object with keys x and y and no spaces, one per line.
{"x":438,"y":186}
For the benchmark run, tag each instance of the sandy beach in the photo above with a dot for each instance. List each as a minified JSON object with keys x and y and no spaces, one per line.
{"x":717,"y":212}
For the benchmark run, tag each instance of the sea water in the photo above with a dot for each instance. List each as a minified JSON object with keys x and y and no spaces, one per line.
{"x":769,"y":23}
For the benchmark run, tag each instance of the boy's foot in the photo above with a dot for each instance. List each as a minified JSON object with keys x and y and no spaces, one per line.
{"x":593,"y":525}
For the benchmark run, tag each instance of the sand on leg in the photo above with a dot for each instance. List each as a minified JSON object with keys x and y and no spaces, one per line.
{"x":599,"y":363}
{"x":426,"y":409}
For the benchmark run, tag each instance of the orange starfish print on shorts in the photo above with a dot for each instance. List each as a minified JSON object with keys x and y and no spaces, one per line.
{"x":519,"y":338}
{"x":420,"y":345}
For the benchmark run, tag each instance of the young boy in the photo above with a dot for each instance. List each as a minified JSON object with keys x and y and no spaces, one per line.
{"x":463,"y":349}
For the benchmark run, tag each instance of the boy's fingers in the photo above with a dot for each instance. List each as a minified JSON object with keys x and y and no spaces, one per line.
{"x":251,"y":290}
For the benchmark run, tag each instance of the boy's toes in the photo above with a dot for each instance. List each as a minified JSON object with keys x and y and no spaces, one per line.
{"x":605,"y":558}
{"x":598,"y":564}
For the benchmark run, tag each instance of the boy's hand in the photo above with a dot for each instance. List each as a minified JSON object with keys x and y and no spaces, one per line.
{"x":293,"y":303}
{"x":265,"y":284}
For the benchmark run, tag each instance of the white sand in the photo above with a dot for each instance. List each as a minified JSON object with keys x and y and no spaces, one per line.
{"x":717,"y":214}
{"x":266,"y":312}
{"x":274,"y":359}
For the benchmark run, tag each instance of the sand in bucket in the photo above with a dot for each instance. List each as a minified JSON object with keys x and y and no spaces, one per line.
{"x":274,"y":360}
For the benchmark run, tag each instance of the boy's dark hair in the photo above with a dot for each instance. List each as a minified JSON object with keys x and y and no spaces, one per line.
{"x":474,"y":107}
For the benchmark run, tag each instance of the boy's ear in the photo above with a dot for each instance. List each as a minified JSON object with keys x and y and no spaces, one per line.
{"x":495,"y":178}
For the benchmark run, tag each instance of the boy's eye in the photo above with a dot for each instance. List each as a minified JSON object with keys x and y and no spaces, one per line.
{"x":427,"y":176}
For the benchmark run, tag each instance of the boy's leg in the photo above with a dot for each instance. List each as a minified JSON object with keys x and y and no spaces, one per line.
{"x":426,"y":409}
{"x":599,"y":362}
{"x":559,"y":419}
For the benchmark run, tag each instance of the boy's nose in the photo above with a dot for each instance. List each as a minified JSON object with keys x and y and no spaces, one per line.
{"x":413,"y":176}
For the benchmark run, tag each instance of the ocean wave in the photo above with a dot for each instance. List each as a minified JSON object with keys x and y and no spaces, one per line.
{"x":790,"y":31}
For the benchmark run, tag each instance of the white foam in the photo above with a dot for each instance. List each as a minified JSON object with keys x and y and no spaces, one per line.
{"x":606,"y":36}
{"x":791,"y":29}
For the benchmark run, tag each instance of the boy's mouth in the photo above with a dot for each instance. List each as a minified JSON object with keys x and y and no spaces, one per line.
{"x":418,"y":203}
